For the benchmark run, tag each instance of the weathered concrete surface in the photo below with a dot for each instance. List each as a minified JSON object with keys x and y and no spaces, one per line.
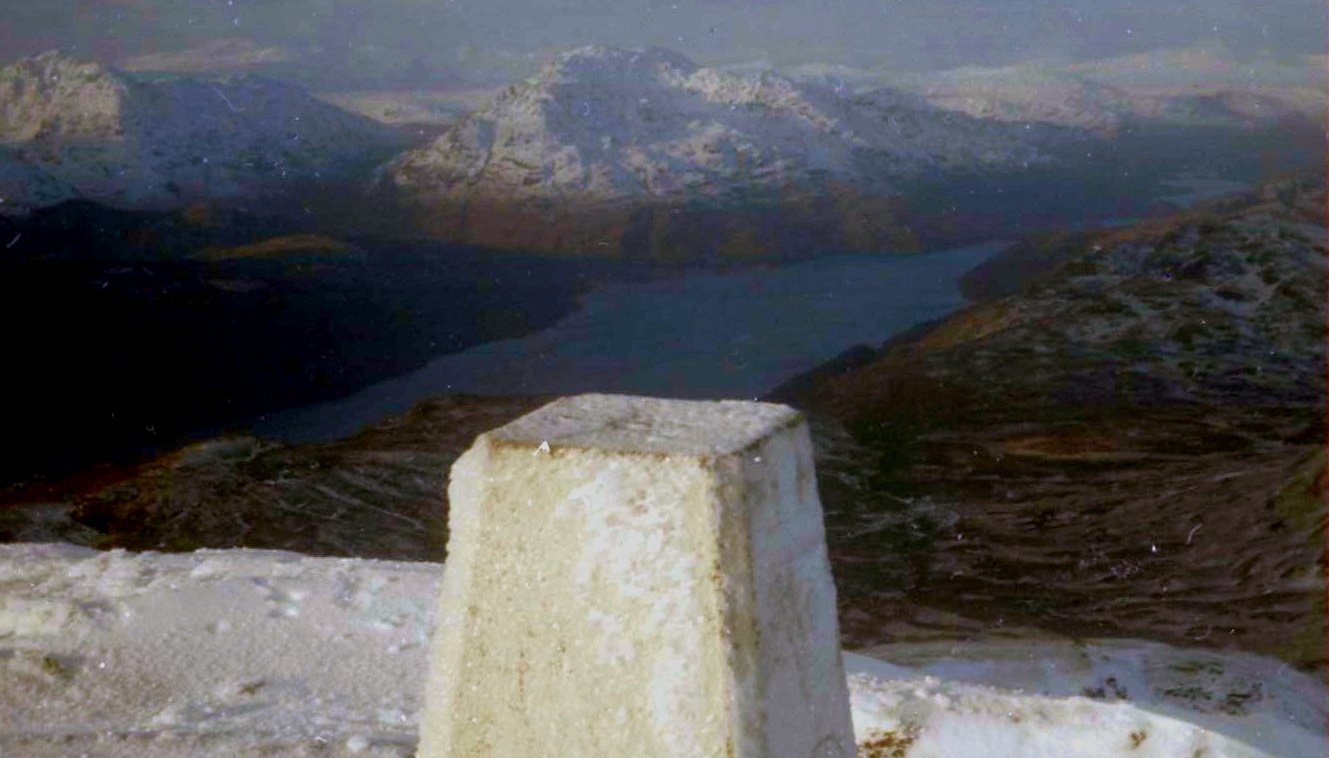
{"x":638,"y":577}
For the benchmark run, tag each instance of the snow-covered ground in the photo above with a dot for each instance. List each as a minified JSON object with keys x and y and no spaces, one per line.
{"x":253,"y":653}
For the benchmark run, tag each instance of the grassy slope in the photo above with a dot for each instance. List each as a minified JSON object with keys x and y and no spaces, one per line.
{"x":1131,"y":443}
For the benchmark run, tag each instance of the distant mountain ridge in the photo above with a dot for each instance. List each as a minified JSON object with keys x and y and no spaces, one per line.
{"x":1195,"y":86}
{"x":73,"y":129}
{"x":617,"y":151}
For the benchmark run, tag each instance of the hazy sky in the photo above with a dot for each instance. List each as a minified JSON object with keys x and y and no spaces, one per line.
{"x":356,"y":43}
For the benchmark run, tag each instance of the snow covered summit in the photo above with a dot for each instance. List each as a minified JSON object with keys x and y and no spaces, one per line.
{"x":614,"y":151}
{"x":69,"y":128}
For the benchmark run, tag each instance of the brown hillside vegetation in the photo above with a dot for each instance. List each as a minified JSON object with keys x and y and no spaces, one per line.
{"x":1131,"y":444}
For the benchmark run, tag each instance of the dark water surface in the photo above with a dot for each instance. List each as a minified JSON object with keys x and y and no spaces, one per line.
{"x":734,"y":334}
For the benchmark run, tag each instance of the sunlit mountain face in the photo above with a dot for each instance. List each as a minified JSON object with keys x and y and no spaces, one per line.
{"x":1047,"y":280}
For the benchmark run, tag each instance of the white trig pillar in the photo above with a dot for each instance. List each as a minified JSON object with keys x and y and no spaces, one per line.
{"x":638,"y":578}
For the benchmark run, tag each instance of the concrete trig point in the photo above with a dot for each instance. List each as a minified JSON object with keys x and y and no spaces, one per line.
{"x":638,"y":578}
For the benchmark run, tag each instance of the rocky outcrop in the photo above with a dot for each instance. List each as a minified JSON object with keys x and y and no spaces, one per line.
{"x":642,"y":153}
{"x":78,"y":129}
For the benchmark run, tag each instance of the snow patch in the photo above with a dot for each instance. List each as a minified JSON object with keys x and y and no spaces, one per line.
{"x":150,"y":655}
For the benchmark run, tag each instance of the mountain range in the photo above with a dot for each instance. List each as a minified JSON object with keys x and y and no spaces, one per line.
{"x":72,"y":129}
{"x":1186,"y":87}
{"x":643,"y":154}
{"x":615,"y":151}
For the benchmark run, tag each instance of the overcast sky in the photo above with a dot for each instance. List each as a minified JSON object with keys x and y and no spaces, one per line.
{"x":357,"y":43}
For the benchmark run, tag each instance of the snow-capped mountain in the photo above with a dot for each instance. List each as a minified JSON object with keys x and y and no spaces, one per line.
{"x":1199,"y":86}
{"x":71,"y":128}
{"x":1207,"y":87}
{"x":1024,"y":96}
{"x":635,"y":151}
